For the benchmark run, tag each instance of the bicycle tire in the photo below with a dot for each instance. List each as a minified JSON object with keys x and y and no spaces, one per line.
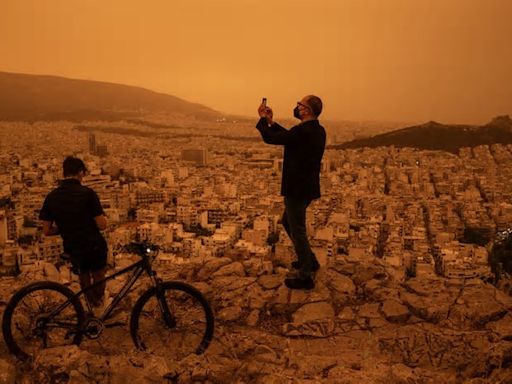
{"x":11,"y":329}
{"x":144,"y":316}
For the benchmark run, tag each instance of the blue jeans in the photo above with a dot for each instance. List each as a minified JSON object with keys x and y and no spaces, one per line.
{"x":294,"y":223}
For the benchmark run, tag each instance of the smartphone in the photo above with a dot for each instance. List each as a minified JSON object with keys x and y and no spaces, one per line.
{"x":264,"y":101}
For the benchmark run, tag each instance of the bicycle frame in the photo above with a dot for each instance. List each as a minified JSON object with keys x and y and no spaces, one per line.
{"x":139,"y":267}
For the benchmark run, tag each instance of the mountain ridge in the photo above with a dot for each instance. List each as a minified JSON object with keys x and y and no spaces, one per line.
{"x":436,"y":136}
{"x":47,"y":97}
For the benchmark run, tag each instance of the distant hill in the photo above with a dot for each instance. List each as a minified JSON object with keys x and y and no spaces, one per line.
{"x":436,"y":136}
{"x":35,"y":97}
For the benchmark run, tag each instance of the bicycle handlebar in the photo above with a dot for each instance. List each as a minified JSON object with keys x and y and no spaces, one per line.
{"x":142,"y":248}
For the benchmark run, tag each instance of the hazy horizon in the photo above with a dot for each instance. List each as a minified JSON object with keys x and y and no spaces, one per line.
{"x":369,"y":61}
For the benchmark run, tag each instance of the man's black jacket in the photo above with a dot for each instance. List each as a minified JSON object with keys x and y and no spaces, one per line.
{"x":304,"y":146}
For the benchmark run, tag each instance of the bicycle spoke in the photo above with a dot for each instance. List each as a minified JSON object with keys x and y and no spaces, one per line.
{"x":185,"y":335}
{"x":39,"y":319}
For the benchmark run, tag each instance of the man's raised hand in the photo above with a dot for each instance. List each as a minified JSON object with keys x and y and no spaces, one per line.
{"x":266,"y":112}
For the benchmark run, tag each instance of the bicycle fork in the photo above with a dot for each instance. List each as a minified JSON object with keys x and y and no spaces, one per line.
{"x":169,"y":319}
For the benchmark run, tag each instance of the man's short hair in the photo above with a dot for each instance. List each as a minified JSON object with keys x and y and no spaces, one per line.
{"x":72,"y":166}
{"x":315,"y":103}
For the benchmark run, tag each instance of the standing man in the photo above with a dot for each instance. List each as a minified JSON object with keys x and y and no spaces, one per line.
{"x":304,"y":146}
{"x":74,"y":211}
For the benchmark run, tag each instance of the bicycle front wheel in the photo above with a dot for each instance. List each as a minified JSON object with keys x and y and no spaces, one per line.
{"x":173,"y":322}
{"x":41,"y":315}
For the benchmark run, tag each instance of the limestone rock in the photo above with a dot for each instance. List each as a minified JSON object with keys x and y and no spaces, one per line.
{"x":346,"y":314}
{"x":313,"y":311}
{"x":265,"y":354}
{"x":211,"y":266}
{"x":258,"y":297}
{"x":340,"y":284}
{"x":270,"y":281}
{"x":230,"y":283}
{"x":257,"y":267}
{"x":203,"y":287}
{"x":51,"y":272}
{"x":253,"y":318}
{"x":395,"y":312}
{"x":480,"y":305}
{"x":432,"y":309}
{"x":231,"y":313}
{"x":319,"y":293}
{"x":233,"y":269}
{"x":366,"y":272}
{"x":424,"y":287}
{"x":369,"y":310}
{"x":502,"y":327}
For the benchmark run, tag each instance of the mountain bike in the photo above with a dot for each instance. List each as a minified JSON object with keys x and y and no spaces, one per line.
{"x":171,"y":318}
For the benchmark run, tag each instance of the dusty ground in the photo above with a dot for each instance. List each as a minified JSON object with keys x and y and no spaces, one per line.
{"x":361,"y":324}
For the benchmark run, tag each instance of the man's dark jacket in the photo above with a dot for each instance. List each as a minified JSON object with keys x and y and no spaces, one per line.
{"x":304,"y":146}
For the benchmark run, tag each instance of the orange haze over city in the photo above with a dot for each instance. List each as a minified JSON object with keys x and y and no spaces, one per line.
{"x":400,"y":60}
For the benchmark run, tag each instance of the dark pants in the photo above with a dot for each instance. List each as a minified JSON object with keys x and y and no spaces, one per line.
{"x":88,"y":278}
{"x":294,"y":223}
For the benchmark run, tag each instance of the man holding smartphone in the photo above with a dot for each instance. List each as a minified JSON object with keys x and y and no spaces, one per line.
{"x":304,"y":146}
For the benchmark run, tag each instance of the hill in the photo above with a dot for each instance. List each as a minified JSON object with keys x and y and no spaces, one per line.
{"x":37,"y":97}
{"x":436,"y":136}
{"x":363,"y":323}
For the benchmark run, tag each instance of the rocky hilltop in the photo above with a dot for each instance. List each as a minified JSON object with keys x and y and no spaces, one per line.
{"x":443,"y":137}
{"x":363,"y":323}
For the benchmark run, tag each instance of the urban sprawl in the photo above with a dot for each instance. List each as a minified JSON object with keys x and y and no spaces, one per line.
{"x":217,"y":193}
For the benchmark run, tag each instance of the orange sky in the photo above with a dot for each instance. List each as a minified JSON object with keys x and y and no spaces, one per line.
{"x":406,"y":60}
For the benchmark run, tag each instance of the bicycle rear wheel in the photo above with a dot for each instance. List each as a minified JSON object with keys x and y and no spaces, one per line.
{"x":41,"y":315}
{"x":188,"y":328}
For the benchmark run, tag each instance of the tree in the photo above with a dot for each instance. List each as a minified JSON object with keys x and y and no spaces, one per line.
{"x":28,"y":222}
{"x":272,"y":238}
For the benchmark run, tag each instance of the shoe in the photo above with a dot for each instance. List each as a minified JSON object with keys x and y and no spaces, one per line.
{"x":316,"y":266}
{"x":298,"y":283}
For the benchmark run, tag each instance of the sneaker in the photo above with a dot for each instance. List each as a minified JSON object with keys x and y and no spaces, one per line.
{"x":298,"y":283}
{"x":316,"y":265}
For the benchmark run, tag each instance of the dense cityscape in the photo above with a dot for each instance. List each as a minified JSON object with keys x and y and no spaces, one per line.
{"x":217,"y":194}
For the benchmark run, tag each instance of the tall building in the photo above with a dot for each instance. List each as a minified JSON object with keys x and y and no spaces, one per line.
{"x":198,"y":156}
{"x":3,"y":227}
{"x":92,"y":144}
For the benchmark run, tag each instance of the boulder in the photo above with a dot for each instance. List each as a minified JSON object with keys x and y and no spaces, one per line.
{"x":502,"y":328}
{"x":369,"y":310}
{"x":51,"y":272}
{"x":270,"y":281}
{"x":340,"y":284}
{"x":211,"y":266}
{"x":313,"y":311}
{"x":253,"y":318}
{"x":346,"y":314}
{"x":230,"y":313}
{"x":232,"y":269}
{"x":395,"y":312}
{"x":230,"y":283}
{"x":258,"y":297}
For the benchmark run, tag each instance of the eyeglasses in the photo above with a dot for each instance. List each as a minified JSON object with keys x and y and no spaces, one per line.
{"x":303,"y":105}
